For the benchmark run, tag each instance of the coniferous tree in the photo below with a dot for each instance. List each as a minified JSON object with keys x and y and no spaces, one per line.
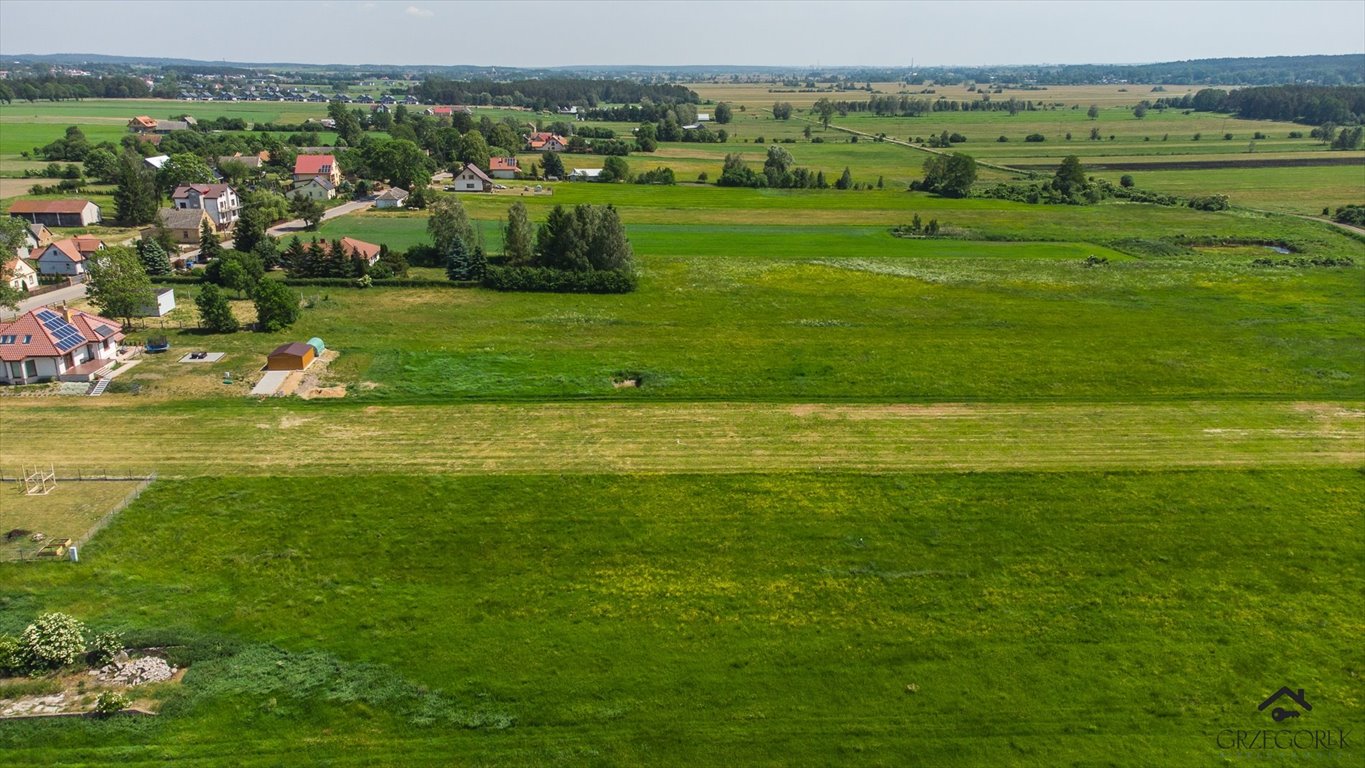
{"x":518,"y":245}
{"x":209,"y":246}
{"x":136,"y":199}
{"x":153,"y":257}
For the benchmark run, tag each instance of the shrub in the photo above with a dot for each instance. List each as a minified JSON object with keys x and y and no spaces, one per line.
{"x":54,"y":640}
{"x":1035,"y":138}
{"x":103,"y":647}
{"x":1126,"y":180}
{"x":13,"y":656}
{"x":1210,"y":203}
{"x":547,"y":280}
{"x":111,"y":703}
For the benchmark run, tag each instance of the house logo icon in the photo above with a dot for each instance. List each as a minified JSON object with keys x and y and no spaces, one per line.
{"x":1280,"y":713}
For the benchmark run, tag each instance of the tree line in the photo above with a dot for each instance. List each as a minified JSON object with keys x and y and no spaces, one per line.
{"x":548,"y":93}
{"x":1309,"y":104}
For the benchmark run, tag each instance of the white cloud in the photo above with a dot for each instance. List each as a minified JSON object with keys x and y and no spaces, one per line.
{"x":420,"y":13}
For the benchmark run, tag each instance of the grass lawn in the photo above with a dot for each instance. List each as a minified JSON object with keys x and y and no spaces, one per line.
{"x":792,"y":619}
{"x":67,"y":512}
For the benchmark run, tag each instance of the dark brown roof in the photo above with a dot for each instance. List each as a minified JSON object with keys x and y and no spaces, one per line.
{"x":293,"y":349}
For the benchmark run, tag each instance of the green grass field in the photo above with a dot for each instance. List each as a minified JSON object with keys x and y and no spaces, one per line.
{"x":963,"y":501}
{"x":996,"y":619}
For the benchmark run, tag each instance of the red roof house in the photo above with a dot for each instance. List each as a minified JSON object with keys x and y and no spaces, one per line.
{"x":309,"y":166}
{"x":45,"y":344}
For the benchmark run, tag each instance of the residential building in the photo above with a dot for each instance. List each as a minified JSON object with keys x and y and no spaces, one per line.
{"x":309,"y":166}
{"x":315,"y":188}
{"x":39,"y":236}
{"x":392,"y":197}
{"x":57,"y":213}
{"x":156,"y":161}
{"x":66,"y":257}
{"x":185,"y":224}
{"x":45,"y":344}
{"x":22,"y":277}
{"x":543,"y":141}
{"x":471,"y":179}
{"x":219,"y":200}
{"x":353,"y":247}
{"x":503,"y":167}
{"x":145,"y":124}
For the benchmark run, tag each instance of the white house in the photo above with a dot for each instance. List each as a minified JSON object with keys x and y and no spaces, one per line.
{"x":67,"y":257}
{"x":503,"y":167}
{"x":471,"y":179}
{"x":44,"y":344}
{"x":218,"y":200}
{"x":22,"y":277}
{"x":392,"y":197}
{"x":315,"y":188}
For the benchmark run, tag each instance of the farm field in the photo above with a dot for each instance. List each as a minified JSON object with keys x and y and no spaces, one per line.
{"x":1065,"y":485}
{"x":940,"y":320}
{"x":851,"y":619}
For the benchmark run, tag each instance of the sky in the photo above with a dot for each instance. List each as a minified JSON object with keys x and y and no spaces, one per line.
{"x":695,"y":32}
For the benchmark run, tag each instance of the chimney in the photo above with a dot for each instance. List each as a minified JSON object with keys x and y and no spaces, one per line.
{"x":66,"y":312}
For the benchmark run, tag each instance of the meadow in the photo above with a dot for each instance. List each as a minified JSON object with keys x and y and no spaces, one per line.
{"x":1069,"y":485}
{"x":1001,"y":619}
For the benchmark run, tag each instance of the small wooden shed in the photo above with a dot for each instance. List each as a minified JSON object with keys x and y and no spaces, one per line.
{"x":294,"y":356}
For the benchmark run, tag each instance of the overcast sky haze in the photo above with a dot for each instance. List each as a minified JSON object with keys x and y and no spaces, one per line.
{"x":583,"y":32}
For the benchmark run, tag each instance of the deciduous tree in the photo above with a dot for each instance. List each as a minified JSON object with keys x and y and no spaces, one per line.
{"x":117,"y":283}
{"x":215,"y":314}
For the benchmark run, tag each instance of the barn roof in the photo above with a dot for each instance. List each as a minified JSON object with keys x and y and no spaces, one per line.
{"x":48,"y":206}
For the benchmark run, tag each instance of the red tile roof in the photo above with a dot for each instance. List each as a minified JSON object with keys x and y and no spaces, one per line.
{"x":48,"y":206}
{"x":369,"y":251}
{"x":68,"y":247}
{"x":204,"y":190}
{"x":144,"y":121}
{"x":314,"y":165}
{"x":42,"y":342}
{"x":503,"y":164}
{"x":87,"y":244}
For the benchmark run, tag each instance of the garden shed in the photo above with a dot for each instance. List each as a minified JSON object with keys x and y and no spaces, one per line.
{"x":294,"y":356}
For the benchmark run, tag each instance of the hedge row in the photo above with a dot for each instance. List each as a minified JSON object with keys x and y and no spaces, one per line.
{"x":544,"y":279}
{"x":392,"y":282}
{"x":332,"y":282}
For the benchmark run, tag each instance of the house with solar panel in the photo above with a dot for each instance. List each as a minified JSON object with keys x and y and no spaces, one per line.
{"x":63,"y":344}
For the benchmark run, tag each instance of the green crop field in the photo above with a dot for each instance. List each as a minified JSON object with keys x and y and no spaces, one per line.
{"x":1064,"y":485}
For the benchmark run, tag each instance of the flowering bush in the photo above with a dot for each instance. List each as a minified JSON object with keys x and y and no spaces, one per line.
{"x":103,"y":648}
{"x":54,"y":640}
{"x":111,"y":703}
{"x":13,"y":656}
